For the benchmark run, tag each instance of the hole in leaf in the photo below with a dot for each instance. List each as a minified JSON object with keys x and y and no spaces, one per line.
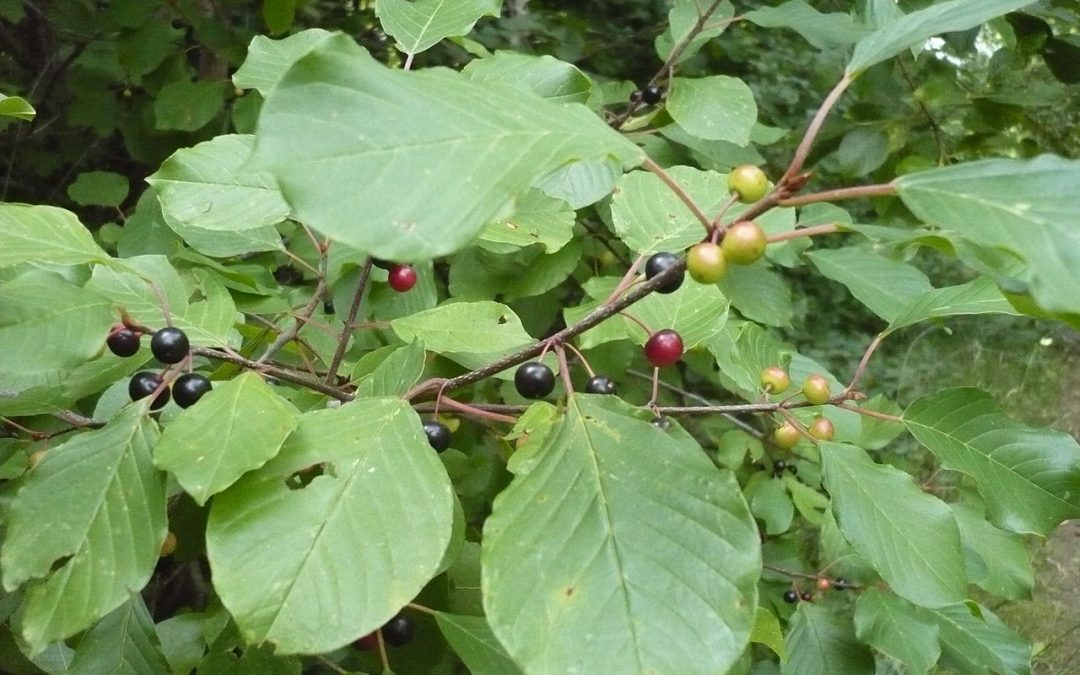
{"x":302,"y":478}
{"x":60,"y":562}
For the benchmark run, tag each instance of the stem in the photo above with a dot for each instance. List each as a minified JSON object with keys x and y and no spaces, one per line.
{"x":564,"y":370}
{"x":723,"y":210}
{"x":305,"y":314}
{"x":842,"y":193}
{"x":273,"y":371}
{"x":627,"y":279}
{"x":581,"y":357}
{"x":863,"y":363}
{"x":812,"y":131}
{"x":804,"y":232}
{"x":679,"y":192}
{"x":476,"y":411}
{"x":350,"y":322}
{"x":873,"y":413}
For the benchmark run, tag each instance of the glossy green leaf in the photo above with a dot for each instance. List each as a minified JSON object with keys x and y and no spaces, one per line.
{"x":821,"y":642}
{"x":124,"y":642}
{"x":683,"y":21}
{"x":1030,"y":478}
{"x":1029,"y":208}
{"x":17,"y":107}
{"x":471,"y":333}
{"x":716,"y":108}
{"x":397,"y":374}
{"x":41,"y":308}
{"x":996,"y":560}
{"x":418,"y":25}
{"x":891,"y":625}
{"x":472,"y":640}
{"x":99,"y":188}
{"x":824,"y":31}
{"x":236,"y":427}
{"x":574,"y":547}
{"x":350,"y":163}
{"x":767,"y":631}
{"x":978,"y":644}
{"x":980,"y":296}
{"x":267,"y":60}
{"x":909,"y":536}
{"x":105,"y":506}
{"x":206,"y":187}
{"x":341,"y":555}
{"x":538,"y":219}
{"x":45,"y":234}
{"x":887,"y":287}
{"x":546,"y":76}
{"x":918,"y":26}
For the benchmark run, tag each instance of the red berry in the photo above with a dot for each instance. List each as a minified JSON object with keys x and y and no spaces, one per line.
{"x":402,"y":278}
{"x":664,"y":348}
{"x":367,"y":643}
{"x":824,"y":584}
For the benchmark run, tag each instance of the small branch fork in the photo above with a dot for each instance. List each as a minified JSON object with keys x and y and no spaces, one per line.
{"x":350,"y":322}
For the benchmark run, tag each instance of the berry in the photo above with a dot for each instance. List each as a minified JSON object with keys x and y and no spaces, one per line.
{"x":659,"y":262}
{"x":599,"y":384}
{"x":816,"y":389}
{"x":328,"y":307}
{"x":143,"y":384}
{"x":189,"y":388}
{"x":169,"y":545}
{"x":744,"y":243}
{"x":438,"y":435}
{"x":775,"y":380}
{"x":170,"y":345}
{"x":824,"y":584}
{"x":791,"y":597}
{"x":706,"y":263}
{"x":748,"y":182}
{"x":661,"y":423}
{"x":786,"y":436}
{"x":664,"y":348}
{"x":402,"y":278}
{"x":123,"y":341}
{"x":841,"y":584}
{"x":778,"y":466}
{"x":367,"y":643}
{"x":534,"y":380}
{"x":652,"y":94}
{"x":822,"y":429}
{"x":807,"y":596}
{"x":399,"y":630}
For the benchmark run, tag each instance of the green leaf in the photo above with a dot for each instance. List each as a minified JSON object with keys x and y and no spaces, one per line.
{"x":538,"y":219}
{"x":770,"y":502}
{"x":41,"y":308}
{"x":1030,"y":478}
{"x":279,"y":15}
{"x":979,"y":643}
{"x":124,"y":642}
{"x":862,"y":151}
{"x":581,"y":183}
{"x":188,"y":106}
{"x":321,"y":128}
{"x":340,"y":556}
{"x":237,"y":427}
{"x":475,"y":272}
{"x":917,"y":27}
{"x":397,"y":374}
{"x":682,"y":23}
{"x":99,"y":188}
{"x":886,"y":287}
{"x":267,"y":60}
{"x":909,"y":536}
{"x":105,"y":507}
{"x":45,"y":234}
{"x":759,"y":294}
{"x":472,"y":640}
{"x":649,"y":218}
{"x":206,"y":187}
{"x":824,"y":31}
{"x":717,"y":108}
{"x":546,"y":76}
{"x":418,"y":25}
{"x":1029,"y":208}
{"x":570,"y":550}
{"x":767,"y":631}
{"x":897,"y":629}
{"x":14,"y":106}
{"x":471,"y":333}
{"x":820,"y":642}
{"x":979,"y":296}
{"x":182,"y":641}
{"x":996,"y":560}
{"x":742,"y":350}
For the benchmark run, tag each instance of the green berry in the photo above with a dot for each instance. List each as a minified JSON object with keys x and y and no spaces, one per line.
{"x":706,"y":263}
{"x":775,"y":380}
{"x":748,"y":182}
{"x":744,"y":242}
{"x":816,"y":389}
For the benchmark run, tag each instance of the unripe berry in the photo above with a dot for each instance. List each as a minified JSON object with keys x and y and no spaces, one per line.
{"x":706,"y":263}
{"x":822,"y":429}
{"x":816,"y":389}
{"x":401,"y":278}
{"x":775,"y":380}
{"x":786,"y":436}
{"x":748,"y":182}
{"x":744,"y":242}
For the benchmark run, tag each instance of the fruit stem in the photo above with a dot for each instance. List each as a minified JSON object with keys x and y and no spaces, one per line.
{"x":475,"y":411}
{"x":716,"y":224}
{"x":350,"y":321}
{"x":679,"y":192}
{"x":804,"y":232}
{"x":564,"y":370}
{"x":876,"y":190}
{"x":627,"y":279}
{"x":873,"y":413}
{"x":306,"y":313}
{"x":582,"y":358}
{"x":639,"y":322}
{"x":273,"y":371}
{"x":810,"y":136}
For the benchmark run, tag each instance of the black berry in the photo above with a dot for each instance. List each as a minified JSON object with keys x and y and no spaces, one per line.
{"x":534,"y":380}
{"x":189,"y":388}
{"x":841,"y":584}
{"x":659,"y":262}
{"x":328,"y":307}
{"x":652,"y":94}
{"x":599,"y":384}
{"x":791,"y":597}
{"x":398,"y":631}
{"x":143,"y":384}
{"x":170,"y":345}
{"x":438,"y":435}
{"x":779,"y":466}
{"x":123,"y":342}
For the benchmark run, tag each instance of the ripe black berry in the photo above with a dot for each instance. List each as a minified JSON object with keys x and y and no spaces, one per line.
{"x":791,"y":597}
{"x":599,"y":384}
{"x":652,"y":94}
{"x":170,"y":345}
{"x":438,"y":435}
{"x":123,"y":342}
{"x":189,"y":388}
{"x":398,"y":631}
{"x":328,"y":307}
{"x":143,"y":384}
{"x":661,"y":423}
{"x":779,"y":466}
{"x":659,"y":262}
{"x":841,"y":584}
{"x":534,"y":380}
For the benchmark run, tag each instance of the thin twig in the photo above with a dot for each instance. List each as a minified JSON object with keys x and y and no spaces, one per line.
{"x":302,"y":318}
{"x":273,"y":371}
{"x":877,"y":190}
{"x":350,"y":321}
{"x":803,"y":232}
{"x":926,"y":111}
{"x":679,"y":192}
{"x":810,"y":136}
{"x":476,"y":411}
{"x":864,"y":362}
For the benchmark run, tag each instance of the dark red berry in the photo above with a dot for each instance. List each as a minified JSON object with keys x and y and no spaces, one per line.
{"x":143,"y":384}
{"x":599,"y":384}
{"x":170,"y":345}
{"x":534,"y":380}
{"x":438,"y":435}
{"x":189,"y":388}
{"x":368,"y":643}
{"x":123,"y":341}
{"x":652,"y":94}
{"x":806,"y":596}
{"x":402,"y":278}
{"x":398,"y":631}
{"x":659,"y":262}
{"x":791,"y":597}
{"x":664,"y":348}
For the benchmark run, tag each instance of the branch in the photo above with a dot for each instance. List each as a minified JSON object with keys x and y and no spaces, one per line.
{"x":306,"y":313}
{"x":804,"y":232}
{"x":812,"y":131}
{"x":683,"y":196}
{"x":273,"y":371}
{"x":350,"y":321}
{"x":880,"y":189}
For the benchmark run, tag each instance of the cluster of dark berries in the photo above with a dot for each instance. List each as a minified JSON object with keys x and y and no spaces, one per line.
{"x":397,"y":632}
{"x":170,"y":346}
{"x":400,"y":277}
{"x":823,"y":583}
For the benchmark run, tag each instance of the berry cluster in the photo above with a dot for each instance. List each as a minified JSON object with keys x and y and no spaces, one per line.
{"x":170,"y":346}
{"x":792,"y":596}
